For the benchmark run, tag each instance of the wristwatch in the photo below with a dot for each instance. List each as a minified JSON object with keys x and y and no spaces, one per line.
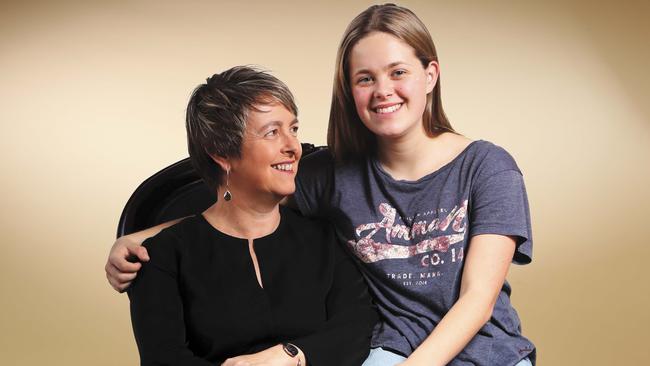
{"x":291,"y":350}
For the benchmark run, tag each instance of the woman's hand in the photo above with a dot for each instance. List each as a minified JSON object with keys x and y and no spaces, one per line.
{"x":274,"y":356}
{"x":119,"y":271}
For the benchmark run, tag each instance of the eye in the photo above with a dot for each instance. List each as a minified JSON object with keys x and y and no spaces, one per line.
{"x":364,"y":80}
{"x":399,"y":72}
{"x":294,"y":130}
{"x":271,"y":133}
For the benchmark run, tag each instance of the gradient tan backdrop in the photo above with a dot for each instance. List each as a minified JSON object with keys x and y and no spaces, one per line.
{"x":92,"y":98}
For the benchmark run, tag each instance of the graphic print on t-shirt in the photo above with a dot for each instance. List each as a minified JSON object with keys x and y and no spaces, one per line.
{"x":375,"y":241}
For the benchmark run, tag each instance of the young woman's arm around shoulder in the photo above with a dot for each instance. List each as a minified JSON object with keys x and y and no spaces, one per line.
{"x":120,"y":271}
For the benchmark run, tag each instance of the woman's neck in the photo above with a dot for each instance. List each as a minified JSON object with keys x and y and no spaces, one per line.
{"x":413,"y":157}
{"x":243,"y":218}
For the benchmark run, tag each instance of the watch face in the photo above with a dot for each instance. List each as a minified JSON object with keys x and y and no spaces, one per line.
{"x":290,"y":349}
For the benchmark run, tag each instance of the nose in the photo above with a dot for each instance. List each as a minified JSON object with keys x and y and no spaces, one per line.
{"x":383,"y":88}
{"x":291,"y":145}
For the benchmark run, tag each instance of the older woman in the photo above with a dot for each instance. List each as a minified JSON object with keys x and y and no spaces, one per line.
{"x":248,"y":282}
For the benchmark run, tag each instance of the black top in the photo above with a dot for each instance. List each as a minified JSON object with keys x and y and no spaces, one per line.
{"x":198,"y":302}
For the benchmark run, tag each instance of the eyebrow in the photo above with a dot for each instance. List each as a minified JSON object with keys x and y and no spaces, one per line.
{"x":389,"y":66}
{"x":277,"y":123}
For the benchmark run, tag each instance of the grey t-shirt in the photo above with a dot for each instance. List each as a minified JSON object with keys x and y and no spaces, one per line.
{"x":411,"y":237}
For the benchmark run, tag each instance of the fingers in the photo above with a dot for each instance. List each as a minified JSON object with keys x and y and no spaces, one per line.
{"x":120,"y":270}
{"x":120,"y":281}
{"x":119,"y":258}
{"x":118,"y":276}
{"x":237,"y":361}
{"x":123,"y":265}
{"x":270,"y":356}
{"x":140,"y":252}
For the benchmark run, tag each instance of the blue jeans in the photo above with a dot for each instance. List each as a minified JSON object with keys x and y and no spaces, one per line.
{"x":381,"y":357}
{"x":524,"y":362}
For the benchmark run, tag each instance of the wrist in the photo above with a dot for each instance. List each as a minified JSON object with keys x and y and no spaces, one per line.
{"x":419,"y":359}
{"x":295,"y":353}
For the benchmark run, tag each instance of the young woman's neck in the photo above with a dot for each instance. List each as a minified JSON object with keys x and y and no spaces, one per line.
{"x":416,"y":155}
{"x":244,"y":218}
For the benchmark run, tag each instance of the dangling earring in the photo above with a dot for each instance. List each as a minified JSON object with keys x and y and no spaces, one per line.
{"x":227,"y":195}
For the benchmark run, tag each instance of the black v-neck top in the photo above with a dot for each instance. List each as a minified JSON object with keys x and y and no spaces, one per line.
{"x":198,"y":301}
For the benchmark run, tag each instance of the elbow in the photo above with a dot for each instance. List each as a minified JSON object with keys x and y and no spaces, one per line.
{"x":365,"y":318}
{"x":488,"y":310}
{"x":483,"y":304}
{"x":486,"y":315}
{"x":370,"y":316}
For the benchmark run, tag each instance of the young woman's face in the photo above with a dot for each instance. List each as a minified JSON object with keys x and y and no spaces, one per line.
{"x":389,"y":85}
{"x":269,"y":155}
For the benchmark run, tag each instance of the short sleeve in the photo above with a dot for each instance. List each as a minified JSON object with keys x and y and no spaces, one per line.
{"x":499,"y":205}
{"x":314,"y":183}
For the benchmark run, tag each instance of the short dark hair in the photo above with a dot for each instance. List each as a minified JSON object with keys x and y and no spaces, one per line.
{"x":217,"y":113}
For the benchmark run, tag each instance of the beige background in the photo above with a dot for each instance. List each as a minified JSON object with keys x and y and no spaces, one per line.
{"x":92,"y":98}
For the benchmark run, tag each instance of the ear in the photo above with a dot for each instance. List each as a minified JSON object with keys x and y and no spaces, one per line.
{"x":433,"y":72}
{"x":224,"y":163}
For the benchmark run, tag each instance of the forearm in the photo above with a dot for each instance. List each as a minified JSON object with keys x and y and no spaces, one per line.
{"x":485,"y":270}
{"x":351,"y":318}
{"x":140,"y":236}
{"x":454,"y":332}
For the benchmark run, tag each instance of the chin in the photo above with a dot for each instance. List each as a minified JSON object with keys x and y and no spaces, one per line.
{"x":389,"y":132}
{"x":288,"y":191}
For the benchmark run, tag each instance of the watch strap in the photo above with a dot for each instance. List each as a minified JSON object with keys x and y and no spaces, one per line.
{"x":292,"y":351}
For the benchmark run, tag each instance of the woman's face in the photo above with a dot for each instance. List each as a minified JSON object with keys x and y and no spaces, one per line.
{"x":269,"y":155}
{"x":389,"y":85}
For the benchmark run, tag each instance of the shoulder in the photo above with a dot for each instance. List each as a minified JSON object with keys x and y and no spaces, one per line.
{"x":314,"y":182}
{"x":489,"y":159}
{"x":315,"y":167}
{"x":175,"y":243}
{"x":170,"y":238}
{"x":322,"y":162}
{"x":317,"y":158}
{"x":312,"y":238}
{"x":307,"y":226}
{"x":311,"y":232}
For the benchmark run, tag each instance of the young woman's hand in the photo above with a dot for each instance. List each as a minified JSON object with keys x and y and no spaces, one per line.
{"x":123,"y":261}
{"x":119,"y":270}
{"x":274,"y":356}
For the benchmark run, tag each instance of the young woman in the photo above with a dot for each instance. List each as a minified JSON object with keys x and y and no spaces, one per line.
{"x":433,"y":218}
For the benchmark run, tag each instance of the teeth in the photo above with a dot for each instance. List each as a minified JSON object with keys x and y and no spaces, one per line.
{"x":283,"y":167}
{"x":390,"y":109}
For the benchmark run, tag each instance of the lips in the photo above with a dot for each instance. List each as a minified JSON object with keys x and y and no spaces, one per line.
{"x":387,"y":108}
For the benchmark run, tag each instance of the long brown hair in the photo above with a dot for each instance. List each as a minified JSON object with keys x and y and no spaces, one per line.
{"x":347,"y":137}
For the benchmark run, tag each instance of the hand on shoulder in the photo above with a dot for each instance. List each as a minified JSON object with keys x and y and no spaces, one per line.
{"x":123,"y":262}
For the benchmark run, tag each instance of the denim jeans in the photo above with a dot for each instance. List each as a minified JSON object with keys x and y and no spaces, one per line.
{"x":381,"y":357}
{"x":524,"y":362}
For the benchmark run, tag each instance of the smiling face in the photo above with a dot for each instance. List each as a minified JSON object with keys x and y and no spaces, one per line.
{"x":270,"y":152}
{"x":389,"y":85}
